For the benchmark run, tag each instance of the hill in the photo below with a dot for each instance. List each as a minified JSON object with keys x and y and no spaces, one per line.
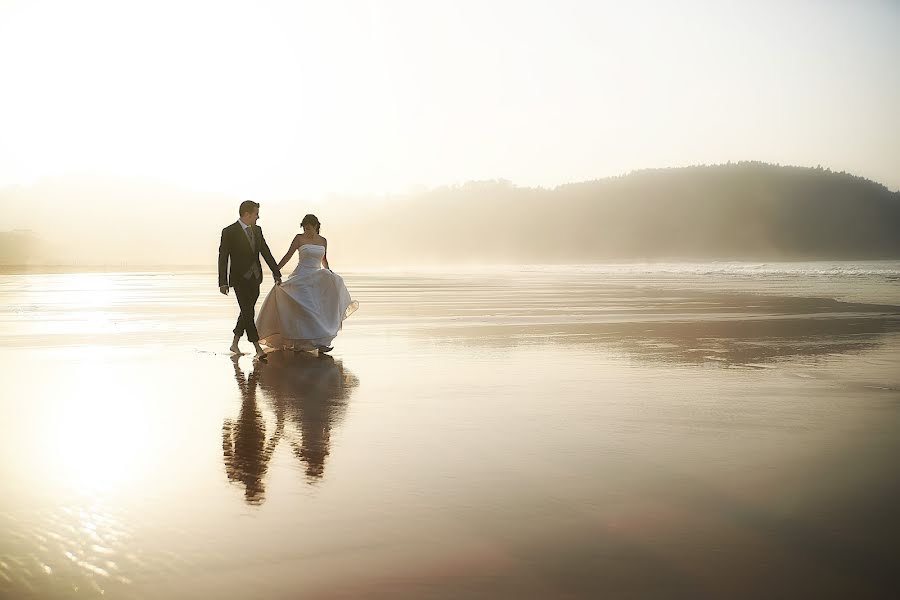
{"x":748,"y":210}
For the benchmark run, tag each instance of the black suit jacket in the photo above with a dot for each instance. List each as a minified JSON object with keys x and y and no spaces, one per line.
{"x":235,"y":245}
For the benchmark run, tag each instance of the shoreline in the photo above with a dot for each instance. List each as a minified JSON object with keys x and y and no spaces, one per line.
{"x":650,"y":265}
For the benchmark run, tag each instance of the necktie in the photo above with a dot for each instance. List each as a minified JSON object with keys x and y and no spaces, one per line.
{"x":249,"y":231}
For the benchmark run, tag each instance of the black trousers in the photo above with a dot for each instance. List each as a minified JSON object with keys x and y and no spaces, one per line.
{"x":247,"y":294}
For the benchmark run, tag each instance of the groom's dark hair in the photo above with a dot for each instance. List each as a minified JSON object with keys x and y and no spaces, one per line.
{"x":248,"y":206}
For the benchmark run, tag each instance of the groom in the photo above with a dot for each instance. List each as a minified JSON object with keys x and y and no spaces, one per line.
{"x":243,"y":241}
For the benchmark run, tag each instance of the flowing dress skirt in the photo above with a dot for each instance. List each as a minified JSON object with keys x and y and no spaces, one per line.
{"x":306,"y":311}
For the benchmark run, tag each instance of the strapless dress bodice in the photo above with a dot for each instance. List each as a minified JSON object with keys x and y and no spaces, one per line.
{"x":311,"y":256}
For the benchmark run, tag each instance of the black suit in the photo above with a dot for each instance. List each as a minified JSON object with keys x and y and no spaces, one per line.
{"x":245,"y":273}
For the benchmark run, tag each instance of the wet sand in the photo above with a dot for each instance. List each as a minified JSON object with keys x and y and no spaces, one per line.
{"x":523,"y":435}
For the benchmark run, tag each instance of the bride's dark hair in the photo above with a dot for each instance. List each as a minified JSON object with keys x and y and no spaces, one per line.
{"x":311,"y":220}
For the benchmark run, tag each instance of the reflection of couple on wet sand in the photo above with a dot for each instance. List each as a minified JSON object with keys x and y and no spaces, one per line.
{"x":307,"y":395}
{"x":303,"y":312}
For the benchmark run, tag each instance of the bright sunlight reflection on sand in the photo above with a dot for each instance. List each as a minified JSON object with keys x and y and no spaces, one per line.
{"x":87,"y":431}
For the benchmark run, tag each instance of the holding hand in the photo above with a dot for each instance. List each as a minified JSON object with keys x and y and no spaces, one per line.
{"x":223,"y":289}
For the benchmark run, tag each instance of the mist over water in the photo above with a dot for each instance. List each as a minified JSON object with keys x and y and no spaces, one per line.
{"x":745,"y":211}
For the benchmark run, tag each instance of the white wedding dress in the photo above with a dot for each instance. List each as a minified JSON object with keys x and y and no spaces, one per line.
{"x":307,"y":310}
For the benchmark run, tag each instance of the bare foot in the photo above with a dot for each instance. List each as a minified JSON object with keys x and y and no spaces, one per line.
{"x":234,"y":349}
{"x":260,"y":355}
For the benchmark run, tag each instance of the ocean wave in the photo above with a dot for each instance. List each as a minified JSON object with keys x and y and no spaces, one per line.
{"x":880,"y":269}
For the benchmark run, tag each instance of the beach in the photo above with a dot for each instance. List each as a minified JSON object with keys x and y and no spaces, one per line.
{"x":622,"y":431}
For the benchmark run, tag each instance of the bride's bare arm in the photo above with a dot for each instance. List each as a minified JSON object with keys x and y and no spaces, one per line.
{"x":294,"y":245}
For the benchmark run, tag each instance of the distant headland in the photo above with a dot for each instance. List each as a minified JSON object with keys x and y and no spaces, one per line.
{"x":735,"y":211}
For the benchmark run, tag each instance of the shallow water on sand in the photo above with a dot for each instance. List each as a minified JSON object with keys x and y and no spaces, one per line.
{"x":532,"y":433}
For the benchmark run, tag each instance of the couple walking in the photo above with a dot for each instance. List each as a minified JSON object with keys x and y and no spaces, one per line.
{"x":303,"y":312}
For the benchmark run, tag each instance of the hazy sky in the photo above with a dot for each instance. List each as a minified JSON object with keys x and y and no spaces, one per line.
{"x":297,"y":99}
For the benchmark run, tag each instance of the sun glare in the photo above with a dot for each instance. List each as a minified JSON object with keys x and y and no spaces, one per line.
{"x":91,"y":433}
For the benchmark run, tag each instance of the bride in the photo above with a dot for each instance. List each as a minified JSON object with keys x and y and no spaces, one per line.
{"x":306,"y":311}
